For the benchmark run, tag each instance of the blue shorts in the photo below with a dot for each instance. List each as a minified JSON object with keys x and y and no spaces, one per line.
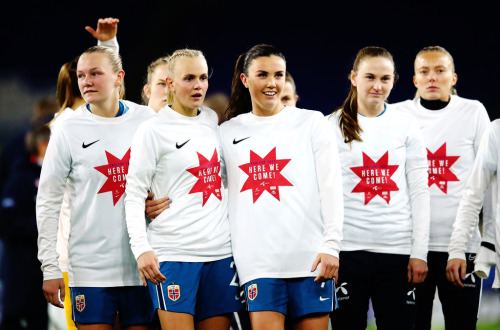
{"x":300,"y":296}
{"x":202,"y":289}
{"x":100,"y":305}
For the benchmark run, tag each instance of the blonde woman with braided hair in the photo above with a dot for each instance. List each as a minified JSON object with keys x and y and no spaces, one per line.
{"x":184,"y":256}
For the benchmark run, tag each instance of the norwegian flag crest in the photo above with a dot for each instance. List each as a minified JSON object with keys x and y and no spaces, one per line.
{"x":80,"y":302}
{"x":252,"y":291}
{"x":174,"y":292}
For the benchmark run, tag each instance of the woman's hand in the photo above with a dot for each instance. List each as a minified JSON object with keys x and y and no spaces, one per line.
{"x":154,"y":207}
{"x":149,"y":268}
{"x":417,"y":270}
{"x":329,"y":267}
{"x":107,"y":28}
{"x":51,"y":290}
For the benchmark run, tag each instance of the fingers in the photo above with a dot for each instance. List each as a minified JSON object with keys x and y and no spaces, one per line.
{"x":143,"y":279}
{"x":409,"y":273}
{"x":155,"y":207}
{"x":91,"y":31}
{"x":51,"y":289}
{"x":328,"y":269}
{"x":149,"y":268}
{"x":315,"y":263}
{"x":454,"y":270}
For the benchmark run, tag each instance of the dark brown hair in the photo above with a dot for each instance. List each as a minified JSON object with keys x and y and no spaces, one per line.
{"x":240,"y":100}
{"x":348,"y":119}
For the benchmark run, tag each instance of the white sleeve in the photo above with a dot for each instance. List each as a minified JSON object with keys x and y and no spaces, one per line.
{"x":418,"y":189}
{"x":55,"y":171}
{"x":329,"y":176}
{"x":223,"y":171}
{"x":111,"y":43}
{"x":483,"y":172}
{"x":143,"y":160}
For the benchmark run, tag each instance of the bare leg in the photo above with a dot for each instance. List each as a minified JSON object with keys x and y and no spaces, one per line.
{"x":312,"y":322}
{"x":175,"y":321}
{"x":220,"y":322}
{"x":267,"y":320}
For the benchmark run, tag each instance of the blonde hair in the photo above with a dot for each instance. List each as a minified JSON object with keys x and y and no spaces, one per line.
{"x":114,"y":59}
{"x":151,"y":69}
{"x":443,"y":51}
{"x":172,"y":60}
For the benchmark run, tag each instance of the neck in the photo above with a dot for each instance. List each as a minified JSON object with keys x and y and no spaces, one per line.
{"x":434,"y":104}
{"x":108,"y":108}
{"x":370,"y":110}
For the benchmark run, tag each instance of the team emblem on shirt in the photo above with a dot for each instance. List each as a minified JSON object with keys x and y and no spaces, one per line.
{"x":174,"y":292}
{"x":116,"y":172}
{"x":80,"y":302}
{"x":252,"y":291}
{"x":264,"y":174}
{"x":439,"y":168}
{"x":209,"y":180}
{"x":375,"y":178}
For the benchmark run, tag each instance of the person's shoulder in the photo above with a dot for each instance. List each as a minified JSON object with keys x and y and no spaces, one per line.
{"x":407,"y":105}
{"x":304,"y":114}
{"x":72,"y":118}
{"x":211,"y":115}
{"x":471,"y":104}
{"x":139,"y":109}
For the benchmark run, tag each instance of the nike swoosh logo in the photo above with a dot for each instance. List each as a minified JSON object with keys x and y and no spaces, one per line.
{"x":88,"y":145}
{"x":238,"y":141}
{"x":178,"y":146}
{"x":323,"y":299}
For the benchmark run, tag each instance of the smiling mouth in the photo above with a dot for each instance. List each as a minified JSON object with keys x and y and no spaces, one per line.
{"x":270,"y":93}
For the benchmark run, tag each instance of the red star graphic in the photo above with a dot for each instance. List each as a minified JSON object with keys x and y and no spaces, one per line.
{"x":375,"y":178}
{"x":209,"y":180}
{"x":264,"y":174}
{"x":116,"y":171}
{"x":439,"y":168}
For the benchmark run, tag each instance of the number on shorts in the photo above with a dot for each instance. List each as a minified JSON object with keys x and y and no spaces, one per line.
{"x":234,"y":281}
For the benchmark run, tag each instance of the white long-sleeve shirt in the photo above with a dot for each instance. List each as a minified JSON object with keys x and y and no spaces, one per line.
{"x":386,"y":196}
{"x":285,"y":192}
{"x":483,"y":173}
{"x":64,"y":223}
{"x":89,"y":156}
{"x":452,"y":136}
{"x":179,"y":157}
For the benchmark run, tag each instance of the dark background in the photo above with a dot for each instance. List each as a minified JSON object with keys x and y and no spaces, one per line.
{"x":319,"y":40}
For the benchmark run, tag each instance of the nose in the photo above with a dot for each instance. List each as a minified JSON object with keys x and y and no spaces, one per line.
{"x":87,"y":81}
{"x":271,"y":83}
{"x":377,"y":85}
{"x":432,"y":76}
{"x":197,"y":84}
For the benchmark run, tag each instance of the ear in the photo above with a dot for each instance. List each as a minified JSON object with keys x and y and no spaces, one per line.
{"x":415,"y":81}
{"x":147,"y":90}
{"x":119,"y":78}
{"x":244,"y":79}
{"x":454,"y":79}
{"x":352,"y":77}
{"x":170,"y":84}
